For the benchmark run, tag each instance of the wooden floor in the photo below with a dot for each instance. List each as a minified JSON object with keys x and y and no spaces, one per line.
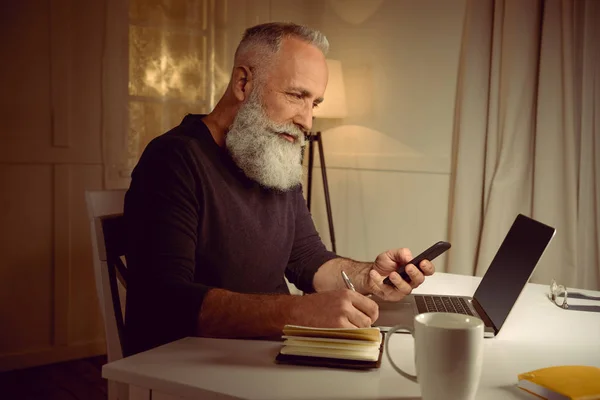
{"x":71,"y":380}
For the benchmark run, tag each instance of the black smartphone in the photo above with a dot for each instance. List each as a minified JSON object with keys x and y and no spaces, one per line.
{"x":429,"y":254}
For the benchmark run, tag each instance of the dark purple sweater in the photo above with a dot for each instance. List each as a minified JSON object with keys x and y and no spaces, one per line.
{"x":196,"y":222}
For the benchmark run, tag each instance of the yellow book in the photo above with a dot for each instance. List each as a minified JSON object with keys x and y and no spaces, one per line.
{"x":566,"y":382}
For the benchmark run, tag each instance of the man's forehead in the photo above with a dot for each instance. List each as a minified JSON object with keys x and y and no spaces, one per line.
{"x":300,"y":63}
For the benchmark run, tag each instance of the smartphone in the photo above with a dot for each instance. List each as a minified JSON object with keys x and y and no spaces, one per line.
{"x":429,"y":254}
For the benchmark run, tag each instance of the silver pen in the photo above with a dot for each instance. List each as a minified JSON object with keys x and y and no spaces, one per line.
{"x":349,"y":284}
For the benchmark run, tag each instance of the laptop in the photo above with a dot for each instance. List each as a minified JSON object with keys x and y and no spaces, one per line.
{"x":498,"y":290}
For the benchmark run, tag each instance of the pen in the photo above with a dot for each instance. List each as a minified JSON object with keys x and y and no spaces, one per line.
{"x":349,"y":284}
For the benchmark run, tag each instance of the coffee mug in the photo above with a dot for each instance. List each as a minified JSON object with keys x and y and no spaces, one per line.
{"x":448,"y":355}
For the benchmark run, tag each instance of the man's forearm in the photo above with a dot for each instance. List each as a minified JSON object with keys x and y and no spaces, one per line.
{"x":229,"y":314}
{"x":329,"y":275}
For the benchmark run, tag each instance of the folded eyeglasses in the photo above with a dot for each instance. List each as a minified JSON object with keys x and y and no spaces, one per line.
{"x":559,"y":294}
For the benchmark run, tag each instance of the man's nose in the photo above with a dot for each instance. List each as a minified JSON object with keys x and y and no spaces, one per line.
{"x":304,"y":119}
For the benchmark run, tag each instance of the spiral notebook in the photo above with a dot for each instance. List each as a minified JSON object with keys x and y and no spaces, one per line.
{"x":359,"y":348}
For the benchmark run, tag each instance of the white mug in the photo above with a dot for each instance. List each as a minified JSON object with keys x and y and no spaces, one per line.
{"x":448,"y":355}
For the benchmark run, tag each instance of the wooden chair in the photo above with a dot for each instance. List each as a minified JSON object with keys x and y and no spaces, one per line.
{"x":105,"y":212}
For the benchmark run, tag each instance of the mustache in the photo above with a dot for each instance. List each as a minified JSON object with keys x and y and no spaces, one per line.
{"x":289,"y":129}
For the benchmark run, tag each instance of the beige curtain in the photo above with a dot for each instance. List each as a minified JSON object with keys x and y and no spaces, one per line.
{"x":525,"y":136}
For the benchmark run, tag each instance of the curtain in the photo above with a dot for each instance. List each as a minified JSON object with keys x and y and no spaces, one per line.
{"x":567,"y":153}
{"x":525,"y":138}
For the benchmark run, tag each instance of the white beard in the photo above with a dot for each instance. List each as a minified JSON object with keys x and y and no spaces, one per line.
{"x":264,"y":155}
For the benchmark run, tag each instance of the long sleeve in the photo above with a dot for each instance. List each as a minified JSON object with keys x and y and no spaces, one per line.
{"x":308,"y":251}
{"x":161,"y":214}
{"x":196,"y":222}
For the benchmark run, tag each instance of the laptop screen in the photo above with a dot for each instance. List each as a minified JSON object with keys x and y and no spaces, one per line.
{"x":512,"y":267}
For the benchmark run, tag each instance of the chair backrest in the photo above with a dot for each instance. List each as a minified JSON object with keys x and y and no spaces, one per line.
{"x":105,"y":212}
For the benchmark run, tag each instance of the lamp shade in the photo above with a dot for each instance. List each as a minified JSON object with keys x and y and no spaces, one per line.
{"x":334,"y":103}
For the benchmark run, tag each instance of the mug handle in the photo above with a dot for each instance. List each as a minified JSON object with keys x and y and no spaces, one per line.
{"x":388,"y":335}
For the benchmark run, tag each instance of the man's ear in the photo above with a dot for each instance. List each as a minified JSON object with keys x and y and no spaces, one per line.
{"x":242,"y":82}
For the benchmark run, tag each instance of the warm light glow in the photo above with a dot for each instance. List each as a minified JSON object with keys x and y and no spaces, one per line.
{"x":355,"y":11}
{"x":167,"y":75}
{"x":334,"y":105}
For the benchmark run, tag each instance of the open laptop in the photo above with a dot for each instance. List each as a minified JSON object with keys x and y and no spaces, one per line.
{"x":498,"y":290}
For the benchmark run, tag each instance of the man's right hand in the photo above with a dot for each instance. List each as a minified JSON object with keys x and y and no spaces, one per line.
{"x":335,"y":309}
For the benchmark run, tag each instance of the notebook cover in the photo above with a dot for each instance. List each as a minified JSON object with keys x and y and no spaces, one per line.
{"x":331,"y":362}
{"x":570,"y":381}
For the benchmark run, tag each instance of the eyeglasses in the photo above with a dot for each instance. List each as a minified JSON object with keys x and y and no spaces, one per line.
{"x":560,"y":291}
{"x":557,"y":291}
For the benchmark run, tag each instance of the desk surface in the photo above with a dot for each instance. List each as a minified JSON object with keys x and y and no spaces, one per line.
{"x":537,"y":334}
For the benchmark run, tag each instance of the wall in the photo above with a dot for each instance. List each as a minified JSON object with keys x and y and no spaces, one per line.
{"x":388,"y":163}
{"x":50,"y":152}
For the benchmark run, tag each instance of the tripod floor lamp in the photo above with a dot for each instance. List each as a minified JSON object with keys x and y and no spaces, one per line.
{"x":333,"y":106}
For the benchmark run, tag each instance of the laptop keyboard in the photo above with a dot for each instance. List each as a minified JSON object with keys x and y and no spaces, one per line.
{"x":442,"y":304}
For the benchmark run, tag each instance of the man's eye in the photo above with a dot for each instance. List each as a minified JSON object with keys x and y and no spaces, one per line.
{"x":315,"y":105}
{"x":296,"y":95}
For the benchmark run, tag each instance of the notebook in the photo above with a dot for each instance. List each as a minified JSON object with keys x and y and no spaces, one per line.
{"x":359,"y":348}
{"x":565,"y":382}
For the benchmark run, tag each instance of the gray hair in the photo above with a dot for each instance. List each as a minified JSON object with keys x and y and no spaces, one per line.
{"x":267,"y":38}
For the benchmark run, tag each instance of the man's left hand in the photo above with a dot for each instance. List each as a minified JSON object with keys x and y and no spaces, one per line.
{"x":386,"y":265}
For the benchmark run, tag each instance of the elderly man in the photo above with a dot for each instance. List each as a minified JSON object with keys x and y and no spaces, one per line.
{"x":216,"y":216}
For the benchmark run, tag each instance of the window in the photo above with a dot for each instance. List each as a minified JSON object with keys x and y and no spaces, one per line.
{"x":164,"y":59}
{"x":173,"y":68}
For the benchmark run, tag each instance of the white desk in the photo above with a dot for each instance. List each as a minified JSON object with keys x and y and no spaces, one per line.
{"x":537,"y":334}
